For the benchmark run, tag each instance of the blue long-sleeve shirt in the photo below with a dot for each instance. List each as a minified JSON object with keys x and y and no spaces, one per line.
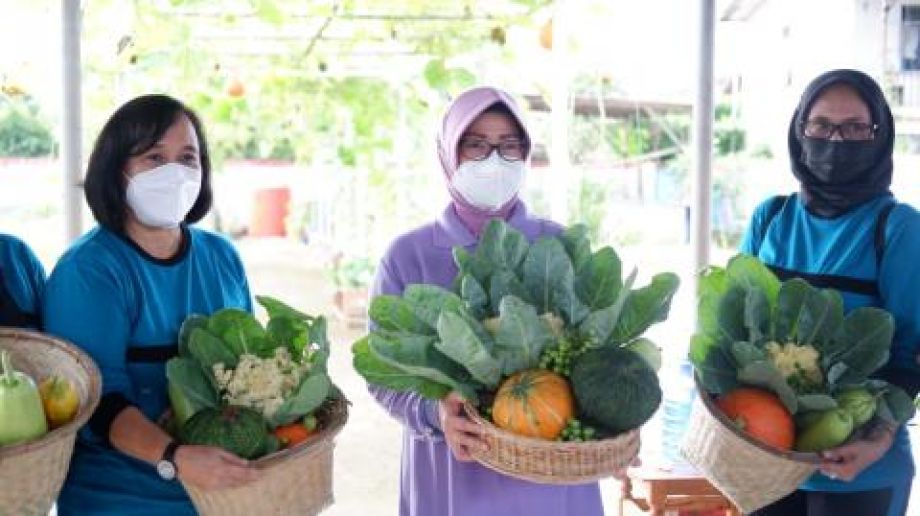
{"x":22,"y":275}
{"x":796,"y":240}
{"x":107,"y":295}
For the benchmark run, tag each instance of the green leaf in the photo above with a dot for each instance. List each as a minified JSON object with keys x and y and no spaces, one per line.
{"x":576,"y":243}
{"x":208,"y":350}
{"x":477,"y":301}
{"x":599,"y":280}
{"x":712,"y":285}
{"x":505,"y":283}
{"x":293,"y":334}
{"x":714,"y":365}
{"x":275,"y":308}
{"x":789,"y":303}
{"x":416,"y":355}
{"x":465,"y":344}
{"x":471,"y":264}
{"x":599,"y":325}
{"x":190,"y":388}
{"x":568,"y":305}
{"x":764,"y":374}
{"x":899,"y":408}
{"x":757,"y":316}
{"x":377,"y":372}
{"x":310,"y":394}
{"x":185,"y":332}
{"x":396,"y":314}
{"x":748,"y":272}
{"x":645,"y":307}
{"x":502,"y":245}
{"x":521,"y":337}
{"x":428,"y":301}
{"x":546,"y":268}
{"x":816,"y":402}
{"x":241,"y":332}
{"x":745,"y":353}
{"x":864,"y":342}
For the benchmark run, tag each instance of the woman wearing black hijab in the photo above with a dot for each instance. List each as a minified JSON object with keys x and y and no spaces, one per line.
{"x":844,"y":230}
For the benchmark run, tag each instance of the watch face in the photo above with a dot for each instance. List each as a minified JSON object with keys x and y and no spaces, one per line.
{"x":166,"y":470}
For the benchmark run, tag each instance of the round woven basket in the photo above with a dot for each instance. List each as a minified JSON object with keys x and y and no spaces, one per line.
{"x":32,"y":473}
{"x":297,"y":480}
{"x":553,"y":462}
{"x":748,"y":472}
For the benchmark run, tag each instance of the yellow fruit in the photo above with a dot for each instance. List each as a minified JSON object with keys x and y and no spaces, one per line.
{"x":60,"y":400}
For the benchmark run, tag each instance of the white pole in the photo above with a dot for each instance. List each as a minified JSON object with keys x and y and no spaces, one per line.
{"x":70,"y":142}
{"x":702,"y":135}
{"x":560,"y":175}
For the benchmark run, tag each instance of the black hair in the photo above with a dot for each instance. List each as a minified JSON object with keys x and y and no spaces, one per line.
{"x":132,"y":130}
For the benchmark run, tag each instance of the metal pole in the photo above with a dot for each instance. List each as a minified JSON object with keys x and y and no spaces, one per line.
{"x":72,"y":158}
{"x":702,"y":135}
{"x":560,"y":176}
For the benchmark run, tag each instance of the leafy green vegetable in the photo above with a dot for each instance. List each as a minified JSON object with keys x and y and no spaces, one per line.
{"x":190,"y":388}
{"x":396,"y":314}
{"x":241,"y":332}
{"x":209,"y":350}
{"x":521,"y":337}
{"x":417,"y":356}
{"x":381,"y":373}
{"x":464,"y":344}
{"x":309,"y":395}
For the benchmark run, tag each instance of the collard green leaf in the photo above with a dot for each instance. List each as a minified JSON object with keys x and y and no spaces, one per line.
{"x":477,"y":301}
{"x":757,"y":316}
{"x":427,"y":302}
{"x":745,"y":353}
{"x":416,"y":355}
{"x":310,"y":394}
{"x":764,"y":374}
{"x":208,"y":350}
{"x":185,"y":331}
{"x":898,"y":407}
{"x":789,"y":302}
{"x":576,"y":243}
{"x":599,"y":325}
{"x":471,"y":264}
{"x":275,"y":308}
{"x":377,"y":372}
{"x":290,"y":333}
{"x":835,"y":373}
{"x":502,"y":246}
{"x":748,"y":272}
{"x":645,"y":307}
{"x":546,"y":268}
{"x":188,"y":380}
{"x":864,"y":341}
{"x":241,"y":332}
{"x":521,"y":337}
{"x":713,"y":363}
{"x":599,"y":280}
{"x":712,"y":285}
{"x":731,"y":326}
{"x":815,"y":402}
{"x":567,"y":304}
{"x":466,"y":344}
{"x":396,"y":314}
{"x":505,"y":283}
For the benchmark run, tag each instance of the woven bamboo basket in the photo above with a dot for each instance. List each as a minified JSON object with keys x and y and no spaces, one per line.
{"x":32,"y":473}
{"x":295,"y":481}
{"x":553,"y":462}
{"x":748,"y":472}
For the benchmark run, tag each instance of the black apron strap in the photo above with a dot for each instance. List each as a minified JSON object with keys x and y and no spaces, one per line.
{"x":844,"y":283}
{"x":10,"y":313}
{"x":152,"y":354}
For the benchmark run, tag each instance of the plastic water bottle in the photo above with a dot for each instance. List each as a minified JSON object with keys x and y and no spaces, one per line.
{"x":679,"y":391}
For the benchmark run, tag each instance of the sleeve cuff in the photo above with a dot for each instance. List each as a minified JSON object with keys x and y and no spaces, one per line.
{"x":432,"y":414}
{"x":110,"y":406}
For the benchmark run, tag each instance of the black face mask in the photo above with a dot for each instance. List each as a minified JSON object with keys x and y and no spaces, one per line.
{"x":837,"y":162}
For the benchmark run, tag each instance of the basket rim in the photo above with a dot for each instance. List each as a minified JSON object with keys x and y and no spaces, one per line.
{"x":86,"y":408}
{"x":326,"y":434}
{"x":473,"y":414}
{"x":707,"y":399}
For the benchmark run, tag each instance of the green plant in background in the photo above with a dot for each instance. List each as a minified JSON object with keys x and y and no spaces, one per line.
{"x":352,"y":273}
{"x":24,"y":133}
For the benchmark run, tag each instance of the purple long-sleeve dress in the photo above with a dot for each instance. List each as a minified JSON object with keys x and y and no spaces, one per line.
{"x":432,"y":482}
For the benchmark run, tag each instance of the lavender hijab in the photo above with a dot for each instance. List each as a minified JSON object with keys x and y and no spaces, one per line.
{"x":462,"y":112}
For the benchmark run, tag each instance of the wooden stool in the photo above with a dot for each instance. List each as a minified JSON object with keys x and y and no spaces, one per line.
{"x":678,"y":488}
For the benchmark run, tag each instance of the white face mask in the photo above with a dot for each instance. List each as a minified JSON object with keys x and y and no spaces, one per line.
{"x":490,"y":183}
{"x":161,"y":197}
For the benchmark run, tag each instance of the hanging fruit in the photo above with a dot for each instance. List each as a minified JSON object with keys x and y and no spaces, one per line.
{"x":546,"y":35}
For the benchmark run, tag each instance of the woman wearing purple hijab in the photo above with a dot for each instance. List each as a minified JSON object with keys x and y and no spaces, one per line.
{"x":483,"y":148}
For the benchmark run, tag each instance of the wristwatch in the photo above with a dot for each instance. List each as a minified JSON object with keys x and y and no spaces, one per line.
{"x":166,"y":466}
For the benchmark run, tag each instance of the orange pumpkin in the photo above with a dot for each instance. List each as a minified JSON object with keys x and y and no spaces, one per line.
{"x":761,"y":415}
{"x":534,"y":403}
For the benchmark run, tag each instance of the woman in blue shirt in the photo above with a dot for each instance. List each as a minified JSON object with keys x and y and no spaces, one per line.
{"x":121,"y":293}
{"x":22,"y":281}
{"x":844,"y":230}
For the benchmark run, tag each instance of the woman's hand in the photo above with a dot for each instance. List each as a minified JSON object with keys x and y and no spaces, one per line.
{"x":847,"y":461}
{"x":213,"y":468}
{"x":461,"y":434}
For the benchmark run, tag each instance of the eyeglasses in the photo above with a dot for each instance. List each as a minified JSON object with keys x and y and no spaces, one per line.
{"x":847,"y":130}
{"x":478,"y":149}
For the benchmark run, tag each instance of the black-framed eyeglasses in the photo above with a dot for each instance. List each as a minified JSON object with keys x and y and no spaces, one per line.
{"x":824,"y":130}
{"x":479,"y":149}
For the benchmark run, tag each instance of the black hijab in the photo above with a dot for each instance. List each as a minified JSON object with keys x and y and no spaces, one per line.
{"x":831,"y":194}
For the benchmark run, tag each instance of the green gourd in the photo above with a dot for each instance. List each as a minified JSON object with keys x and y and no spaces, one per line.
{"x":22,"y":417}
{"x":239,"y":430}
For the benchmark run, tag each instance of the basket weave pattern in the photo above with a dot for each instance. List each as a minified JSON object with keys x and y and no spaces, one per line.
{"x":297,"y":481}
{"x":553,"y":462}
{"x":748,"y":473}
{"x":32,"y":473}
